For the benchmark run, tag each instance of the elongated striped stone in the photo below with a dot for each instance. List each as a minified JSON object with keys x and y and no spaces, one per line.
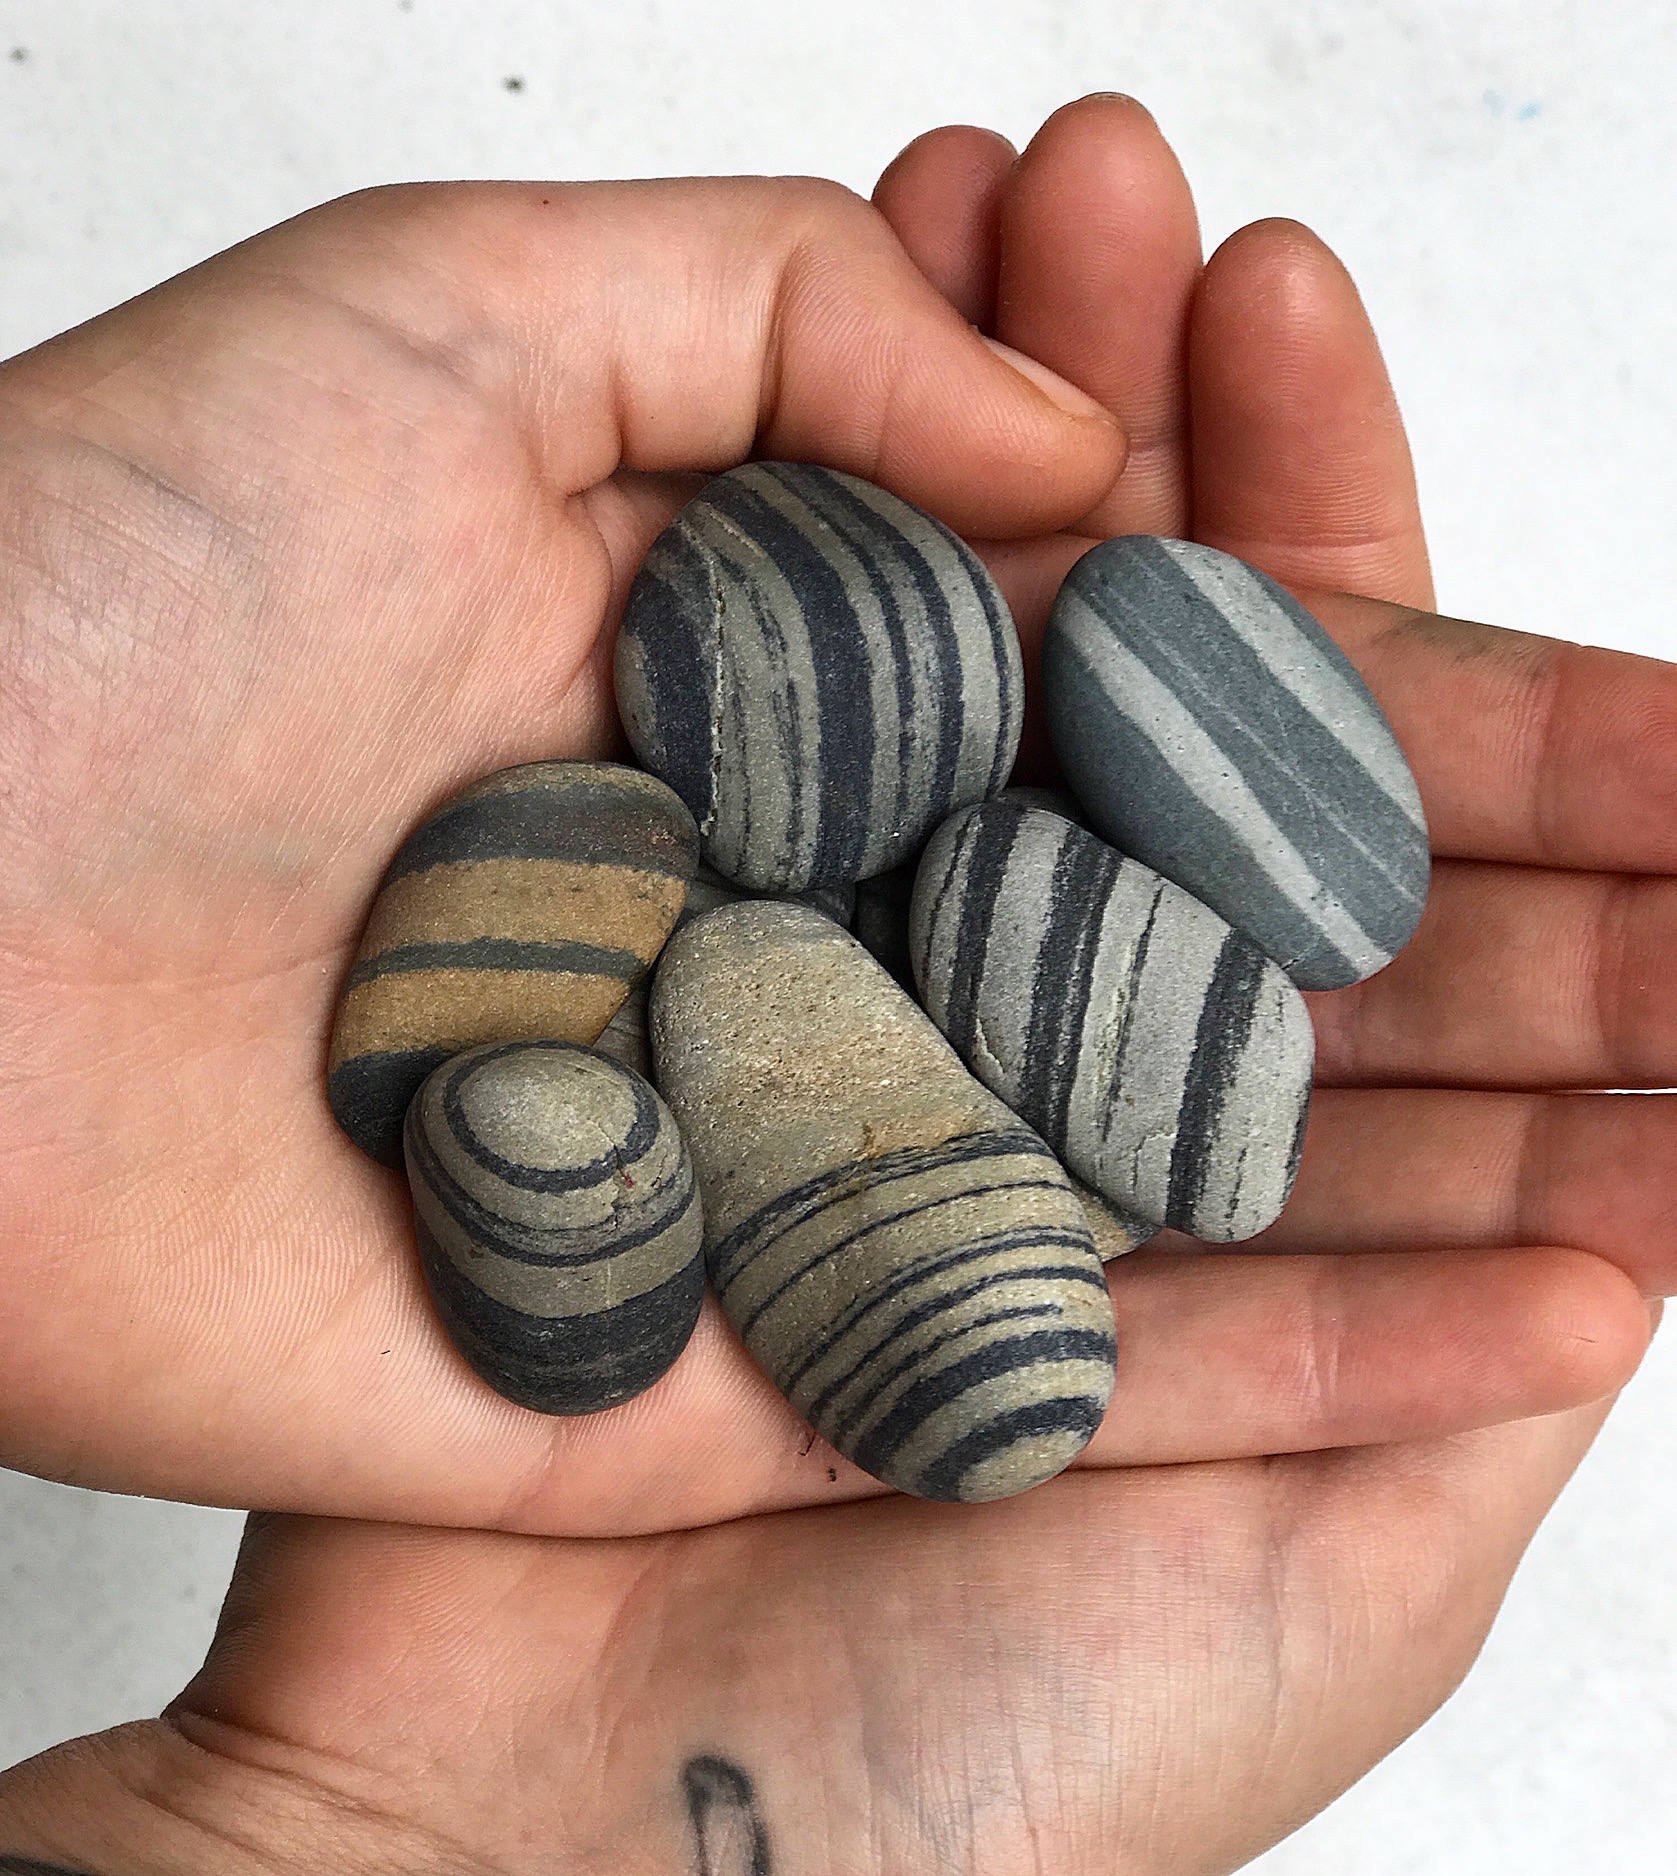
{"x":820,"y":671}
{"x":880,"y":915}
{"x":558,"y":1222}
{"x":524,"y":907}
{"x":1212,"y":729}
{"x":906,"y":1261}
{"x":624,"y":1038}
{"x":1156,"y":1049}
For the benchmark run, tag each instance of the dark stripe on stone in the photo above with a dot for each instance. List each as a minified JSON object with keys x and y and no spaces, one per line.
{"x":500,"y":954}
{"x":839,"y":1246}
{"x":870,"y":540}
{"x":1005,"y":1355}
{"x":789,"y":1209}
{"x":1070,"y":1413}
{"x":869,"y":1395}
{"x":1273,"y":743}
{"x":493,"y":1234}
{"x":370,"y":1093}
{"x":584,"y":823}
{"x":1172,"y":830}
{"x":987,"y":841}
{"x":1132,"y":995}
{"x":1220,"y":1038}
{"x":642,"y":1132}
{"x":941,"y":1305}
{"x":936,"y":1268}
{"x":567,"y":1364}
{"x":678,"y":639}
{"x":843,"y":679}
{"x":1082,"y":882}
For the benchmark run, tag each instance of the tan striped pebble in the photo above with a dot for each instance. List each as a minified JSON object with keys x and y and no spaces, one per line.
{"x":525,"y":907}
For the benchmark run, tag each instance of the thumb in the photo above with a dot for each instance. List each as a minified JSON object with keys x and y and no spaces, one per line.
{"x":654,"y":326}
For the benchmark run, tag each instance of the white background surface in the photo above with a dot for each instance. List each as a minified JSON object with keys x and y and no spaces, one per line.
{"x":1501,"y":179}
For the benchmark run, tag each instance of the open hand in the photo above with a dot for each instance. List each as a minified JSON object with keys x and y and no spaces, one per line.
{"x":301,"y":542}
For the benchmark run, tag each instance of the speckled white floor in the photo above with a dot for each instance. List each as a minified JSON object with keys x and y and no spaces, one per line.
{"x":1500,"y":179}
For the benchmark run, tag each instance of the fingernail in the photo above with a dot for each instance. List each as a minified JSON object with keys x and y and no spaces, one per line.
{"x":1057,"y":390}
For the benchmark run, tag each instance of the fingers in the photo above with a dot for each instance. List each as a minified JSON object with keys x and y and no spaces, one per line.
{"x":1428,"y":1168}
{"x":1517,"y":978}
{"x":654,"y":326}
{"x":1099,"y":254}
{"x":942,"y":196}
{"x":1229,"y":1355}
{"x":1525,"y":748}
{"x":1300,"y":460}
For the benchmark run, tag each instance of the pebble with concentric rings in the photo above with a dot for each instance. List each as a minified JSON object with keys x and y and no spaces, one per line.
{"x":559,"y":1227}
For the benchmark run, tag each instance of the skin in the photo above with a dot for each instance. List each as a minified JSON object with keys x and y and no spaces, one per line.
{"x":295,"y":546}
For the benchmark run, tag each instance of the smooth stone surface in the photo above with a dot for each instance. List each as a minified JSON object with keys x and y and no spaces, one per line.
{"x":625,"y":1038}
{"x":524,"y":907}
{"x":880,"y":918}
{"x":905,"y":1260}
{"x":1213,"y":730}
{"x":1157,"y":1050}
{"x":1116,"y":1233}
{"x":558,"y":1223}
{"x":821,"y":671}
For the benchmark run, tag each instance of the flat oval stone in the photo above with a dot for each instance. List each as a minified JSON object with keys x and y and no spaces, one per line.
{"x":906,"y":1260}
{"x":524,"y":907}
{"x":558,"y":1222}
{"x":1213,"y":730}
{"x":1156,"y":1049}
{"x":821,"y":671}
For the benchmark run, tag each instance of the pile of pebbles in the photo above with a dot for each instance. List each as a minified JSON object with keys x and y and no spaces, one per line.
{"x":816,"y":1005}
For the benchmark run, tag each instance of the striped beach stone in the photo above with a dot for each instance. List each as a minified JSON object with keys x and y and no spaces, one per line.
{"x":524,"y":907}
{"x":880,"y":917}
{"x":1212,"y":729}
{"x":905,"y":1260}
{"x":624,"y":1038}
{"x":558,"y":1222}
{"x":1156,"y":1049}
{"x":821,"y":671}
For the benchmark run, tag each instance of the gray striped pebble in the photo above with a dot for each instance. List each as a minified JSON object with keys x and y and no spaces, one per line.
{"x":906,"y":1261}
{"x":880,"y":917}
{"x":821,"y":672}
{"x":1157,"y":1050}
{"x":1212,"y":729}
{"x":525,"y":906}
{"x":558,"y":1222}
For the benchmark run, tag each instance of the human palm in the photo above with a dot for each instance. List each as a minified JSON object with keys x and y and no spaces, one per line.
{"x":300,"y":543}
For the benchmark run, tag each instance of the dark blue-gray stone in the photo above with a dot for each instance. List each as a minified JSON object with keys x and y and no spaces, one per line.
{"x":558,"y":1221}
{"x":1157,"y":1050}
{"x":1212,"y":729}
{"x":820,"y":670}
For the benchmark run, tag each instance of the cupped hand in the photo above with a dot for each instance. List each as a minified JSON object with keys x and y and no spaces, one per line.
{"x":1141,"y":1667}
{"x":299,"y":543}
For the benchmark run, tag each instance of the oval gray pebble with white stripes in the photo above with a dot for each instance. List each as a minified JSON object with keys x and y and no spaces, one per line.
{"x":906,"y":1261}
{"x":1212,"y":729}
{"x":820,"y":670}
{"x":558,"y":1222}
{"x":1156,"y":1049}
